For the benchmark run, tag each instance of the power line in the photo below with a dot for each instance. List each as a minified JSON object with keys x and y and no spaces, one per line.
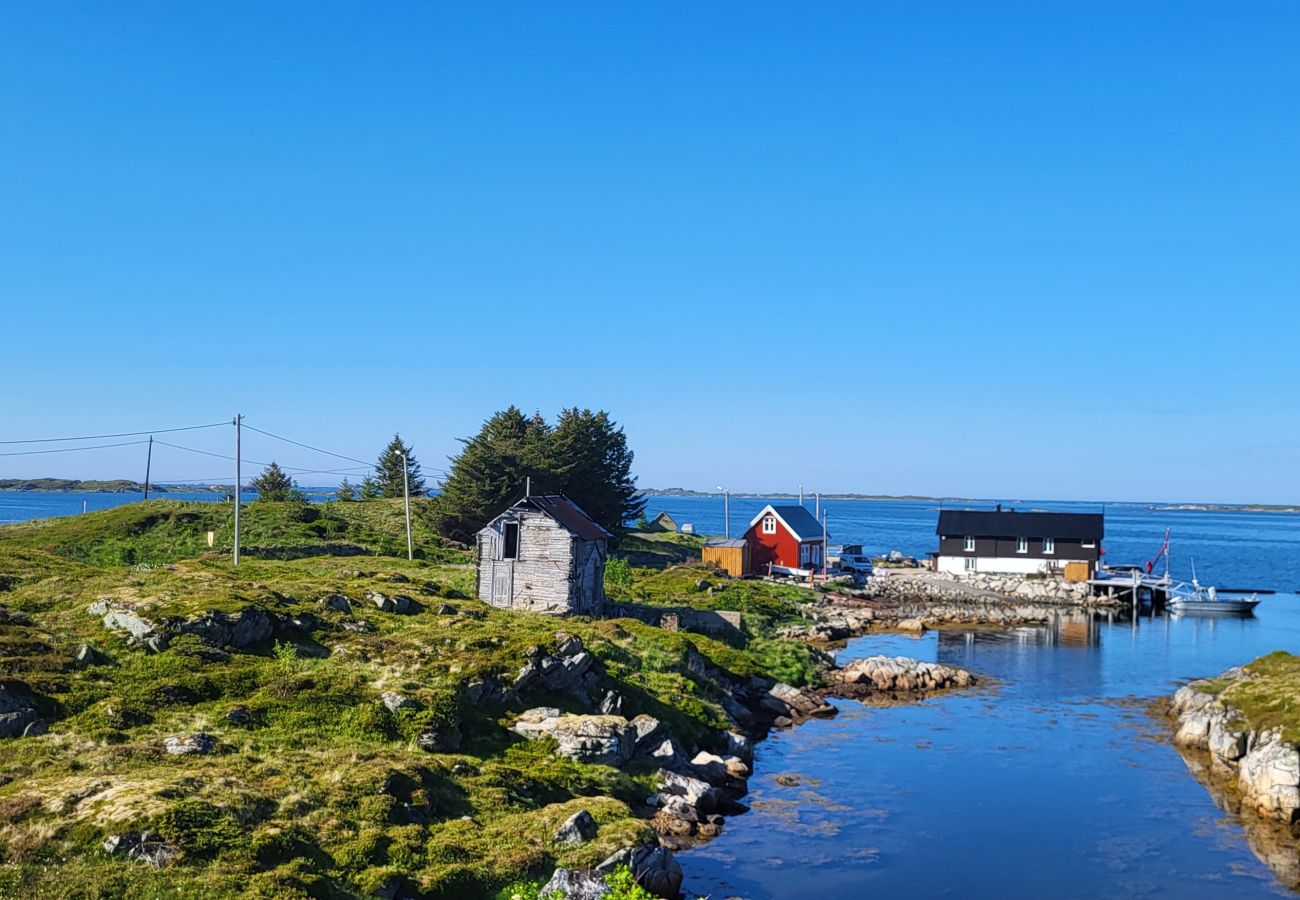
{"x":71,"y":449}
{"x":310,"y":447}
{"x":96,"y":437}
{"x":295,"y":470}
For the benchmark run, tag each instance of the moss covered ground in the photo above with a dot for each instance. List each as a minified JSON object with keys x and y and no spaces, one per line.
{"x":1269,"y":698}
{"x":315,"y":788}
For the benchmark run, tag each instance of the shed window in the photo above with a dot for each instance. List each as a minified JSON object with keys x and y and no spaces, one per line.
{"x":510,"y":541}
{"x":970,"y":543}
{"x":1022,"y":545}
{"x":1049,"y":545}
{"x":769,"y":525}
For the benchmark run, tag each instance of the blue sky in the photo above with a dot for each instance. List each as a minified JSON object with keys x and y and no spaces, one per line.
{"x":1003,"y":249}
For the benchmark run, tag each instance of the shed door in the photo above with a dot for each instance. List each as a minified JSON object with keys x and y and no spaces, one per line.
{"x":503,"y":580}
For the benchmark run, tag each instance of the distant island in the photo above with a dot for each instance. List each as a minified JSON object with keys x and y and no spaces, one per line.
{"x":113,"y":486}
{"x":1162,"y":507}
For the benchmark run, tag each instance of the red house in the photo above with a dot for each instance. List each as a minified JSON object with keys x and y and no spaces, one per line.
{"x":785,"y":538}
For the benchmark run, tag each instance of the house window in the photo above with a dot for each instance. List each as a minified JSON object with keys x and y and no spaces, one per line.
{"x":970,"y":543}
{"x":1089,"y":545}
{"x":1022,"y":545}
{"x":970,"y":564}
{"x":769,"y":525}
{"x":510,"y":541}
{"x":1049,"y":545}
{"x":804,"y":550}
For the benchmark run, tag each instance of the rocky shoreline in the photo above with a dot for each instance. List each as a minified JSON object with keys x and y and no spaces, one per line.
{"x":1252,"y":773}
{"x":695,"y":789}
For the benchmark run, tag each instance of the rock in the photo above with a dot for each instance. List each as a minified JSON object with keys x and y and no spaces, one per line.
{"x":251,"y":626}
{"x":142,"y":847}
{"x":915,"y":626}
{"x":444,"y":740}
{"x":899,"y":674}
{"x":156,"y":643}
{"x":710,"y":767}
{"x":567,"y":644}
{"x":197,"y":743}
{"x":444,"y":609}
{"x":17,"y":714}
{"x":88,"y":656}
{"x":654,"y":868}
{"x":701,"y":795}
{"x":604,"y":740}
{"x":397,"y":603}
{"x":740,"y":746}
{"x":612,"y":704}
{"x":576,"y":829}
{"x":575,"y":886}
{"x":786,"y":701}
{"x":361,"y":626}
{"x":138,"y":627}
{"x":1269,"y":778}
{"x":536,"y":722}
{"x":339,"y":602}
{"x":35,"y":728}
{"x":395,"y":701}
{"x":240,"y":716}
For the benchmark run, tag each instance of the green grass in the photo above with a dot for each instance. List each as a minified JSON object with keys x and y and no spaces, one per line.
{"x":1269,"y":698}
{"x":290,"y":803}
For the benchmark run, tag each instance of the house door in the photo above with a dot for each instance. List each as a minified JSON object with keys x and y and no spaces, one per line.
{"x":503,"y":582}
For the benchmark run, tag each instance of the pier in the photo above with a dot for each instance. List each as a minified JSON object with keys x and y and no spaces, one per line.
{"x":1135,"y":584}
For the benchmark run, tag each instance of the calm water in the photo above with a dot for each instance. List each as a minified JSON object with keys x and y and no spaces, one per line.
{"x":19,"y":506}
{"x":1053,"y":782}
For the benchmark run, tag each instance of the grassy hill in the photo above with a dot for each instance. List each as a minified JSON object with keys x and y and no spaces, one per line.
{"x":313,"y":786}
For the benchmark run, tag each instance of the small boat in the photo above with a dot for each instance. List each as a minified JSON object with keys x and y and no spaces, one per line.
{"x":1185,"y":598}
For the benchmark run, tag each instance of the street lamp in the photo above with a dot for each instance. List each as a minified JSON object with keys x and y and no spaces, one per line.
{"x":726,"y":512}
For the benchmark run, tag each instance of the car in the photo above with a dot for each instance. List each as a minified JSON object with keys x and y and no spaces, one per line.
{"x":852,"y":559}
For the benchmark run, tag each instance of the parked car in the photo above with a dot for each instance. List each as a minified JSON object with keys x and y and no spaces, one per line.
{"x":852,"y":559}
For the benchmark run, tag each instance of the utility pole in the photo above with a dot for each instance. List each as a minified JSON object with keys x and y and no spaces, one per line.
{"x":238,"y":489}
{"x":801,"y":495}
{"x":528,"y":486}
{"x":818,"y":508}
{"x":823,"y":518}
{"x":726,"y":512}
{"x":406,"y":490}
{"x":148,"y":463}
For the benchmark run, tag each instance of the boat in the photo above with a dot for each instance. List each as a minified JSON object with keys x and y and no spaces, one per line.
{"x":1184,"y":597}
{"x":1195,"y":597}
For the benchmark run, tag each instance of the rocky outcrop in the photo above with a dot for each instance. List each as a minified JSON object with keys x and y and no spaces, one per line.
{"x":896,"y":675}
{"x":197,"y":744}
{"x":573,"y":885}
{"x":18,"y":716}
{"x":398,"y":604}
{"x":602,"y":740}
{"x":654,"y":868}
{"x":249,"y":626}
{"x":1263,"y":767}
{"x":570,"y":669}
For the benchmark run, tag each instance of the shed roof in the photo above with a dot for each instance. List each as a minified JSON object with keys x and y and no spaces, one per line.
{"x":801,"y":523}
{"x":567,"y":513}
{"x":1009,"y":523}
{"x":724,"y":542}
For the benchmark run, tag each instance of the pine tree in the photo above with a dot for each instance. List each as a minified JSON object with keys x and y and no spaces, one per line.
{"x":346,"y":491}
{"x":591,"y":460}
{"x":369,"y":490}
{"x":489,"y":473}
{"x":274,"y":484}
{"x":584,"y":457}
{"x":388,"y":471}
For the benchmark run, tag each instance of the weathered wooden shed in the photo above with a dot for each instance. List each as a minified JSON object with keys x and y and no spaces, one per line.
{"x":663,"y":522}
{"x":543,"y":554}
{"x":731,"y":556}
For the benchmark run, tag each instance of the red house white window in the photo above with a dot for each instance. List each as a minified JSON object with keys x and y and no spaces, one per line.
{"x":769,"y":525}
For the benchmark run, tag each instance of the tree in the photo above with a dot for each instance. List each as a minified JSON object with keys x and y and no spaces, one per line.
{"x":369,"y":490}
{"x":346,"y":491}
{"x":591,"y":460}
{"x":585,"y":457}
{"x":274,"y":484}
{"x":388,"y":471}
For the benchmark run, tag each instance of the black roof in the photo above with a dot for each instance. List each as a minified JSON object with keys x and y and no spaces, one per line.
{"x":568,"y":514}
{"x":1009,"y":523}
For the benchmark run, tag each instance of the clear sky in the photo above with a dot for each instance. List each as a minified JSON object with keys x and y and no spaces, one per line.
{"x":984,"y":249}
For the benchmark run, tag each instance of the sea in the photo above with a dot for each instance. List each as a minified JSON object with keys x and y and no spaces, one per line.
{"x":1055,"y":778}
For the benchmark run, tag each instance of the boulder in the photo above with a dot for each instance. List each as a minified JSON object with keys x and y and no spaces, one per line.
{"x":899,"y":674}
{"x":197,"y":743}
{"x":88,"y":656}
{"x":142,"y":847}
{"x":120,"y":618}
{"x":740,"y":746}
{"x":786,"y":701}
{"x":698,"y":793}
{"x":576,"y":829}
{"x":572,"y":885}
{"x":398,"y":603}
{"x":605,"y":740}
{"x":17,"y":714}
{"x":339,"y":602}
{"x":612,"y":704}
{"x":654,"y":868}
{"x":250,"y":626}
{"x":395,"y":701}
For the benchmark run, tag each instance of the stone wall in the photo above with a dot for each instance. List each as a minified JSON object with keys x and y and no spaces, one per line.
{"x":915,"y":585}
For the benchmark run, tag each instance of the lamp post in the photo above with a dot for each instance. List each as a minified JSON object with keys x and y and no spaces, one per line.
{"x":726,"y":512}
{"x":406,"y":490}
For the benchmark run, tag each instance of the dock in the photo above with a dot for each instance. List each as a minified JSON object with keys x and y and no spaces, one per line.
{"x":1135,"y":585}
